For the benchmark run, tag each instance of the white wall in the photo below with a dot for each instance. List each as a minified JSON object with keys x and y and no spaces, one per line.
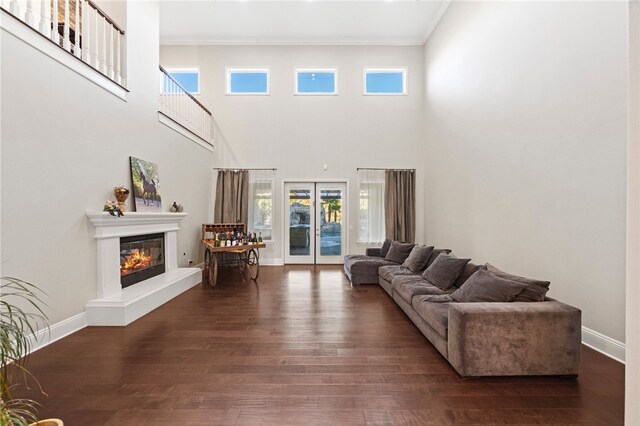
{"x":298,"y":134}
{"x":632,"y":365}
{"x":66,"y":143}
{"x":526,"y":145}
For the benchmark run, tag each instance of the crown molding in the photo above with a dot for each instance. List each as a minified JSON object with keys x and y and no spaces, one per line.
{"x":213,"y":41}
{"x":439,"y":14}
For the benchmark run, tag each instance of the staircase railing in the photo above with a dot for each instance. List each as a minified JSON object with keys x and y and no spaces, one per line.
{"x":78,"y":26}
{"x":183,"y":108}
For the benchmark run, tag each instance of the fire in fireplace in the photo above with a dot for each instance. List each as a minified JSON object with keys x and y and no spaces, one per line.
{"x":141,"y":257}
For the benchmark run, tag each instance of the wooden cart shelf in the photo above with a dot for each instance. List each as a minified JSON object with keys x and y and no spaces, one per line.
{"x":232,"y":249}
{"x":246,"y":257}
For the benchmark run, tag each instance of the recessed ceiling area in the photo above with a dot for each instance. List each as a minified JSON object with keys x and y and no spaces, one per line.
{"x":298,"y":22}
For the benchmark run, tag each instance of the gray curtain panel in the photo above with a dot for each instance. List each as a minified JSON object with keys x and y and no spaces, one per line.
{"x":400,"y":205}
{"x":232,"y":197}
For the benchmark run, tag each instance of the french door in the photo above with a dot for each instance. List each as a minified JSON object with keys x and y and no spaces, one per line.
{"x":315,"y":216}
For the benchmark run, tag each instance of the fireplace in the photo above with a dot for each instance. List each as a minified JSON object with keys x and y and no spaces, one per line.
{"x":141,"y":257}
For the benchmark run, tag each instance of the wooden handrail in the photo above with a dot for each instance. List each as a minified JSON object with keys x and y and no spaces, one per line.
{"x":166,"y":73}
{"x":105,"y":16}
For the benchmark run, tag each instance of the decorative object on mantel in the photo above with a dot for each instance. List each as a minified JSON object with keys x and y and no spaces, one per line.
{"x":113,"y":208}
{"x":146,"y":185}
{"x":121,"y":194}
{"x":176,"y":208}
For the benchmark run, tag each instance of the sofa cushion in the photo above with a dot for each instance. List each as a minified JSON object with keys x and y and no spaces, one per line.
{"x":535,"y":291}
{"x":365,"y":264}
{"x":418,"y":258}
{"x":436,"y":314}
{"x":483,"y":286}
{"x":413,"y":285}
{"x":434,"y":255}
{"x":409,"y":278}
{"x":391,"y":271}
{"x":444,"y":271}
{"x":385,"y":247}
{"x":350,"y":258}
{"x":398,"y":251}
{"x":469,"y":269}
{"x":438,"y":298}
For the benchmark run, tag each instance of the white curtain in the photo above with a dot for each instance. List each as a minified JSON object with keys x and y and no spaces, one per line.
{"x":261,"y":184}
{"x":371,"y":223}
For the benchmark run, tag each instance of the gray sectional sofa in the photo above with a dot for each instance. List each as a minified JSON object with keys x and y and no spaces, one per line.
{"x":528,"y":335}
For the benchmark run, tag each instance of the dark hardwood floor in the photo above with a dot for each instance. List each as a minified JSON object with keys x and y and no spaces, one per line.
{"x":300,"y":347}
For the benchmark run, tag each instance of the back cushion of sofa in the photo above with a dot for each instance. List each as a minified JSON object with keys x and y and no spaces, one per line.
{"x":469,"y":269}
{"x":444,"y":271}
{"x":434,"y":255}
{"x":385,"y":247}
{"x":483,"y":286}
{"x":418,"y":258}
{"x":398,"y":252}
{"x":535,"y":291}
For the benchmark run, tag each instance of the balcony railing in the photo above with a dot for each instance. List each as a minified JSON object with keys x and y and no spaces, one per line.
{"x":78,"y":26}
{"x":183,"y":108}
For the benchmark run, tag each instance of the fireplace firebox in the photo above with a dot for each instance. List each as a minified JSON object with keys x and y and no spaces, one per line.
{"x":141,"y":257}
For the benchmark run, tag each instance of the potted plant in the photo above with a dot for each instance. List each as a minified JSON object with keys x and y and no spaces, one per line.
{"x":21,"y":315}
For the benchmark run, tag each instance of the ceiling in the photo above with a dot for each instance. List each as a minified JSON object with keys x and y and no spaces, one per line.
{"x":298,"y":21}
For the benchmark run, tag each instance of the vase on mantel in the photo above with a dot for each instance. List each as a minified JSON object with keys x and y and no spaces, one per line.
{"x":121,"y":194}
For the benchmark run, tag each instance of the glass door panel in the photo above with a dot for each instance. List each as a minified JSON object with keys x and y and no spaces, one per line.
{"x":330,"y":227}
{"x":299,"y":224}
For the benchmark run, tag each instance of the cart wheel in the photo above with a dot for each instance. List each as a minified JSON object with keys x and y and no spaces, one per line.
{"x":211,"y":269}
{"x":242,"y":261}
{"x":253,"y":264}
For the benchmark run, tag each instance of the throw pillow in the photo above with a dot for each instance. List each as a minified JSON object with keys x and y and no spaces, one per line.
{"x":385,"y":247}
{"x":444,"y":271}
{"x":483,"y":286}
{"x":536,"y":289}
{"x":398,"y":252}
{"x":434,"y":255}
{"x":418,"y":258}
{"x":469,"y":269}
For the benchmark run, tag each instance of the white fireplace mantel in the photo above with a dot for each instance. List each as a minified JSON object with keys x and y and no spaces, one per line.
{"x":133,"y":223}
{"x":118,"y":306}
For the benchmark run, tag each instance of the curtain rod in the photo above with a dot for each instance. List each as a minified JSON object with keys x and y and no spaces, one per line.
{"x":379,"y":168}
{"x":240,"y":168}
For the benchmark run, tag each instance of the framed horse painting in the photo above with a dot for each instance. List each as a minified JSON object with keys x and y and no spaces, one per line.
{"x":146,"y":185}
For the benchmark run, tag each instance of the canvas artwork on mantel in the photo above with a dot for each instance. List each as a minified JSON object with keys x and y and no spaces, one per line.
{"x":146,"y":185}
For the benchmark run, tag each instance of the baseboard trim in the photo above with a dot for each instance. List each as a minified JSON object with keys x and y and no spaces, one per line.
{"x":272,"y":262}
{"x":612,"y":348}
{"x":57,"y":331}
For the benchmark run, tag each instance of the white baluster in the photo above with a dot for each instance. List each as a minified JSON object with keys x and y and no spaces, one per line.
{"x":77,"y":50}
{"x":66,"y":44}
{"x":176,"y":100}
{"x":118,"y":35}
{"x":54,"y":23}
{"x":45,"y":23}
{"x":14,"y":7}
{"x":86,"y":31}
{"x":103,"y":47}
{"x":110,"y":63}
{"x":28,"y":15}
{"x":96,"y":63}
